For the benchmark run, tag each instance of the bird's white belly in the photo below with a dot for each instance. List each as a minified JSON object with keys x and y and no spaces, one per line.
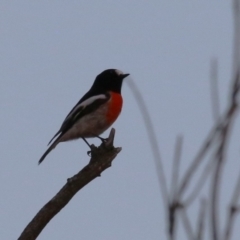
{"x":91,"y":125}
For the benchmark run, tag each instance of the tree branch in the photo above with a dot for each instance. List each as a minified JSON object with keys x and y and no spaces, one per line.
{"x":232,"y":211}
{"x":201,"y":219}
{"x":153,"y":141}
{"x":101,"y":159}
{"x":214,"y":89}
{"x":186,"y":223}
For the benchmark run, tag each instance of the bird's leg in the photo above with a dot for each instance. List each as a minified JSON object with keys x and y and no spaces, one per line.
{"x":86,"y":142}
{"x":88,"y":152}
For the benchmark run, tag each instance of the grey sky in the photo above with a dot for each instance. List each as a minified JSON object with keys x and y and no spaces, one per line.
{"x":51,"y":51}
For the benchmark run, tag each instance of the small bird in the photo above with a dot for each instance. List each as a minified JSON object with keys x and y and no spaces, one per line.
{"x":95,"y":112}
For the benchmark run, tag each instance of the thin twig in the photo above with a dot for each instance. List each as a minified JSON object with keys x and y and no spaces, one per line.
{"x":232,"y":210}
{"x":236,"y":36}
{"x":214,"y":89}
{"x":172,"y":212}
{"x":198,"y":159}
{"x":153,"y":141}
{"x":174,"y":205}
{"x":220,"y":156}
{"x":201,"y":225}
{"x":207,"y":144}
{"x":200,"y":183}
{"x":187,"y":224}
{"x":176,"y":167}
{"x":236,"y":85}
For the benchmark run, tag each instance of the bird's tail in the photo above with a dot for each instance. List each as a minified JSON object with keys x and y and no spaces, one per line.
{"x":51,"y":147}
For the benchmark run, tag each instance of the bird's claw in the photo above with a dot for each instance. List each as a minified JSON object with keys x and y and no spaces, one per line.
{"x":89,"y":153}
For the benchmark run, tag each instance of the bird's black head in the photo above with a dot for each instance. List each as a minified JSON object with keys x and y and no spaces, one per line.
{"x":109,"y":80}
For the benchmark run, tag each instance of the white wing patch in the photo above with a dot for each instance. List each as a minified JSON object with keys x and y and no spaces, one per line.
{"x":91,"y":100}
{"x":86,"y":103}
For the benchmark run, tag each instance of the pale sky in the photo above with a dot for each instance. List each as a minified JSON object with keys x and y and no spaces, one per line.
{"x":50,"y":53}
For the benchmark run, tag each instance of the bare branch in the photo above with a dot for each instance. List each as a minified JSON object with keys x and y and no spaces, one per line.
{"x":172,"y":212}
{"x":232,"y":210}
{"x":187,"y":224}
{"x":221,"y":153}
{"x":101,"y":159}
{"x":198,"y":159}
{"x":214,"y":89}
{"x":220,"y":157}
{"x":153,"y":141}
{"x":236,"y":36}
{"x":176,"y":166}
{"x":203,"y":178}
{"x":200,"y":226}
{"x":207,"y":144}
{"x":235,"y":90}
{"x":174,"y":205}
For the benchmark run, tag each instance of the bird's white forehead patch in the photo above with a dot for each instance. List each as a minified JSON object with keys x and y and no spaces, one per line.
{"x":118,"y":72}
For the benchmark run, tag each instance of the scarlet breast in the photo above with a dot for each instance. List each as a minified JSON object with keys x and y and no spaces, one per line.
{"x":115,"y":107}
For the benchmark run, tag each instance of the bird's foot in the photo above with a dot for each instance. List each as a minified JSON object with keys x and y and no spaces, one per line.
{"x":92,"y":150}
{"x":89,"y":153}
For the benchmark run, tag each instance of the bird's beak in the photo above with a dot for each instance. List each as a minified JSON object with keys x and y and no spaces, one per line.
{"x":124,"y":75}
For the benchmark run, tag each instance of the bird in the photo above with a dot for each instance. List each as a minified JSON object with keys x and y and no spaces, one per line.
{"x":94,"y":113}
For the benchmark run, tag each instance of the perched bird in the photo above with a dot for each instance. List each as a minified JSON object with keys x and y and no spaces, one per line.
{"x":95,"y":112}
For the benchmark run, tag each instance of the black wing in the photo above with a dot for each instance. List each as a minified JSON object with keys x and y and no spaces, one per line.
{"x":82,"y":108}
